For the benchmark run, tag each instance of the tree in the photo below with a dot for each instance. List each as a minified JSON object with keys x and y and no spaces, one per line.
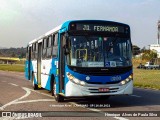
{"x":149,"y":55}
{"x":143,"y":49}
{"x":136,"y":50}
{"x":13,"y":54}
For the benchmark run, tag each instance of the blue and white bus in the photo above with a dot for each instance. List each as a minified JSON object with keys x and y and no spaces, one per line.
{"x":82,"y":58}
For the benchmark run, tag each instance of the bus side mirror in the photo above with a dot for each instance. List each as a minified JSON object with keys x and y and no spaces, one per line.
{"x":65,"y":47}
{"x":66,"y":36}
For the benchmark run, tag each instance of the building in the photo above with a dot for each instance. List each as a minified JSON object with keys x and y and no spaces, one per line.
{"x":156,"y":47}
{"x":8,"y":60}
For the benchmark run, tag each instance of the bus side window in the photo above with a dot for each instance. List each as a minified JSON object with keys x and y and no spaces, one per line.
{"x":49,"y":48}
{"x":44,"y":48}
{"x":55,"y":45}
{"x":33,"y":55}
{"x":36,"y":50}
{"x":27,"y":53}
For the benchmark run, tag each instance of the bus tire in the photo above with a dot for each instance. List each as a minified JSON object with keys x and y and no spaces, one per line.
{"x":35,"y":86}
{"x":57,"y":97}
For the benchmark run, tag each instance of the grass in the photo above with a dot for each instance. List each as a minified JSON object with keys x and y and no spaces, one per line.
{"x":147,"y":78}
{"x":13,"y":67}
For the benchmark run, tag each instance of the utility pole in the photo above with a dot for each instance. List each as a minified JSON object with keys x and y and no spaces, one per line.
{"x":158,"y":37}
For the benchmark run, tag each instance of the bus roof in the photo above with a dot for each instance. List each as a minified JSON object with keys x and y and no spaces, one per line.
{"x":46,"y":34}
{"x":65,"y":25}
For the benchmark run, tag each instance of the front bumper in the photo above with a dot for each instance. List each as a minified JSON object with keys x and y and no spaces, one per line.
{"x":74,"y":90}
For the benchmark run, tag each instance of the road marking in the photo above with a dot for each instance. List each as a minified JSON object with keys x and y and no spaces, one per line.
{"x":13,"y":84}
{"x":12,"y":102}
{"x":29,"y":101}
{"x":16,"y":101}
{"x":40,"y":93}
{"x":92,"y":109}
{"x":28,"y":91}
{"x":135,"y":96}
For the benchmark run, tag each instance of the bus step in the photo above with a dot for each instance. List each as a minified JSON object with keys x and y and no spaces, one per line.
{"x":39,"y":86}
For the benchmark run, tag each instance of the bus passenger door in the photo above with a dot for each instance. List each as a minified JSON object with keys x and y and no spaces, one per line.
{"x":62,"y":63}
{"x":39,"y":58}
{"x":28,"y":64}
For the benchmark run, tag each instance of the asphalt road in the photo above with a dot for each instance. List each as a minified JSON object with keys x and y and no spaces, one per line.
{"x":17,"y":95}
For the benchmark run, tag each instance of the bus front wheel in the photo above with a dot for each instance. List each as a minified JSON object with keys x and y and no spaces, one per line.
{"x":57,"y":97}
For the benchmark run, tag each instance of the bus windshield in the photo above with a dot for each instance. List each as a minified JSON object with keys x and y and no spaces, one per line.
{"x":97,"y":51}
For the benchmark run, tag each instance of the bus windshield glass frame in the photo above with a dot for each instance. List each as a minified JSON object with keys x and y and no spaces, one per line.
{"x":99,"y":51}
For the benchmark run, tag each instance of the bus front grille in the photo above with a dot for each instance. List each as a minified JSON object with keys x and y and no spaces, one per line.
{"x":96,"y":90}
{"x":115,"y":82}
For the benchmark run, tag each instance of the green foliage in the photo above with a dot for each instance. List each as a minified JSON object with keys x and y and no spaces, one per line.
{"x":13,"y":52}
{"x":136,"y":50}
{"x":149,"y":54}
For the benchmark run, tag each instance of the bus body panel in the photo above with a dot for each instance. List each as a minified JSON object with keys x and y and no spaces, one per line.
{"x":50,"y":68}
{"x":74,"y":90}
{"x":34,"y":71}
{"x":101,"y":79}
{"x":45,"y":71}
{"x":52,"y":72}
{"x":28,"y":64}
{"x":27,"y":69}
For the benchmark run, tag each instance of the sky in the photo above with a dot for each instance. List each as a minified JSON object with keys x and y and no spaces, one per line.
{"x":23,"y":20}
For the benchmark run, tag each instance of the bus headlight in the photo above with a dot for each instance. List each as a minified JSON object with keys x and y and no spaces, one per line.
{"x":82,"y":83}
{"x":127,"y":80}
{"x":75,"y":80}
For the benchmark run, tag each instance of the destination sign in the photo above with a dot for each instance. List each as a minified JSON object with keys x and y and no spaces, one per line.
{"x":100,"y":28}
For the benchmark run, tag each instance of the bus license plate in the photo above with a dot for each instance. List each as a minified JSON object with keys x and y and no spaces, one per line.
{"x":103,"y":89}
